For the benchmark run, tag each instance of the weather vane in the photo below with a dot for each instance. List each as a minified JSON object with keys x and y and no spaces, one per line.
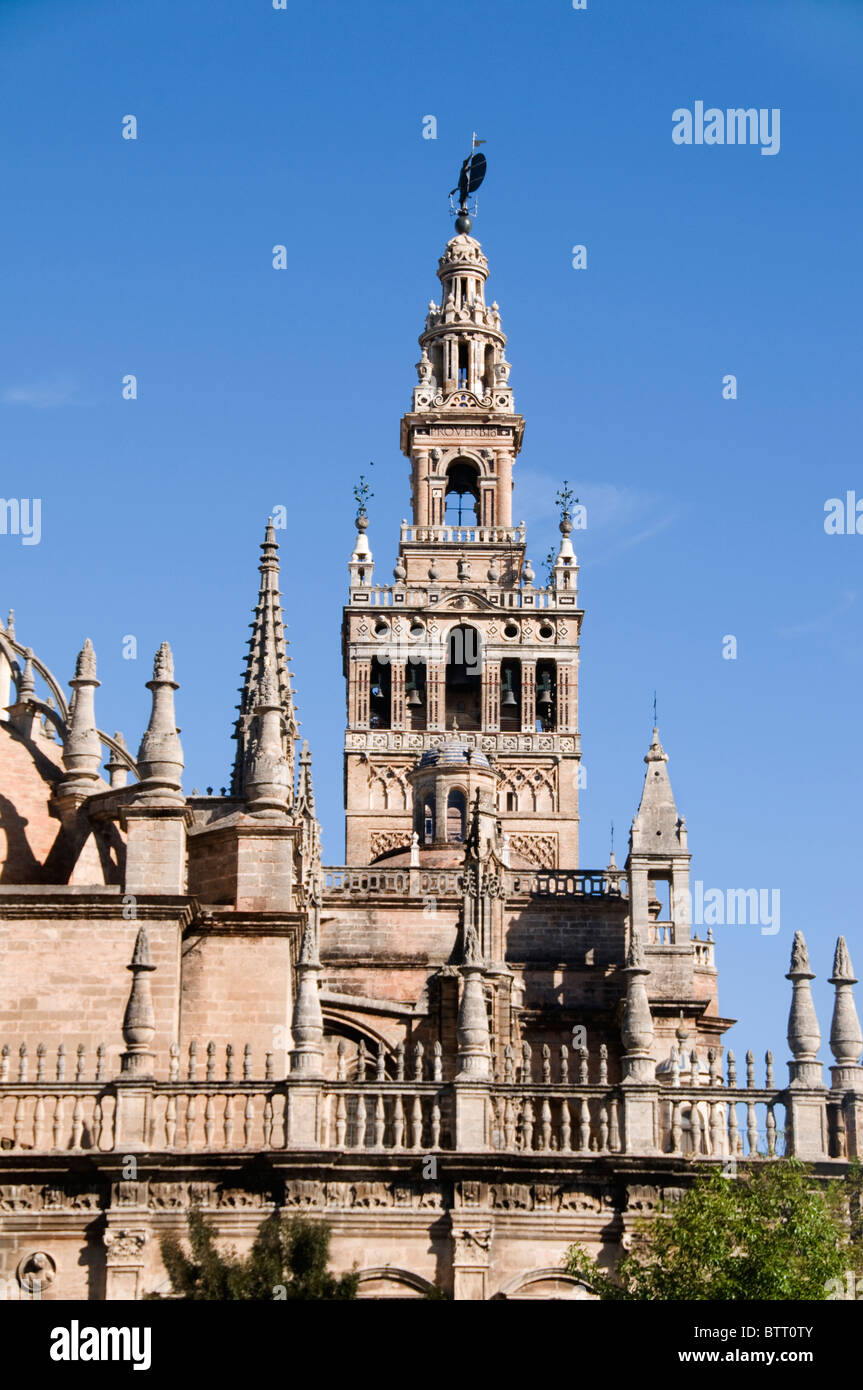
{"x":469,"y":180}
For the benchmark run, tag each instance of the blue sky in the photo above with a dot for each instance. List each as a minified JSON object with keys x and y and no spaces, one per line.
{"x":258,"y":387}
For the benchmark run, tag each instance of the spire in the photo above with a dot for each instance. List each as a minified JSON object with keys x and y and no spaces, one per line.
{"x":116,"y":768}
{"x":82,"y":748}
{"x":657,"y":829}
{"x":266,"y":649}
{"x":139,"y":1020}
{"x":307,"y":1022}
{"x":804,"y":1037}
{"x":268,"y":776}
{"x":637,"y":1027}
{"x":305,"y":790}
{"x":160,"y":756}
{"x":846,"y":1041}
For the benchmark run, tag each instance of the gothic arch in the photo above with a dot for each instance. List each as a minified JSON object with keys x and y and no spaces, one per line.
{"x":548,"y":1284}
{"x":387,"y":1281}
{"x":388,"y":790}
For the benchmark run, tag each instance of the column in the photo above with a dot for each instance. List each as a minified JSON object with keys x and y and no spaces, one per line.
{"x":528,"y":697}
{"x":491,"y":696}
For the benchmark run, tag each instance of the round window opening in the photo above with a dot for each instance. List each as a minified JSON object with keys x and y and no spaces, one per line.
{"x":510,"y":630}
{"x":546,"y":631}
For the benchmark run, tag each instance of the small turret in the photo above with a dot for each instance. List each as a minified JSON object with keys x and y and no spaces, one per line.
{"x":659,"y":854}
{"x":82,"y":748}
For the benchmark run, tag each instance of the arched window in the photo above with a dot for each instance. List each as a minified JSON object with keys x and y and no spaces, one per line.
{"x":379,"y":695}
{"x":510,"y":695}
{"x":455,"y":816}
{"x":426,"y":829}
{"x":463,"y":678}
{"x":462,"y":494}
{"x":546,"y":695}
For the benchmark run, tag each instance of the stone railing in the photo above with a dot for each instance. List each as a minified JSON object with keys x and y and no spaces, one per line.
{"x":400,"y":1101}
{"x":463,"y":535}
{"x":545,"y":883}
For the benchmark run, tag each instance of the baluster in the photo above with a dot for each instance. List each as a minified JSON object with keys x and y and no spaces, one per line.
{"x":509,"y":1124}
{"x":565,"y":1126}
{"x":22,"y":1063}
{"x":583,"y":1125}
{"x":437,"y":1073}
{"x":676,"y":1127}
{"x":247,"y":1062}
{"x":435,"y":1122}
{"x":526,"y":1067}
{"x":209,"y":1119}
{"x":4,"y":1062}
{"x":527,"y":1125}
{"x":416,"y":1123}
{"x":100,"y":1062}
{"x":361,"y":1061}
{"x":77,"y":1123}
{"x":229,"y":1062}
{"x":545,"y":1125}
{"x":508,"y":1063}
{"x":57,"y":1125}
{"x":174,"y":1065}
{"x":211,"y":1061}
{"x":249,"y":1120}
{"x":398,"y":1121}
{"x":714,"y":1067}
{"x":97,"y":1124}
{"x":751,"y":1127}
{"x":614,"y":1128}
{"x":400,"y":1062}
{"x":603,"y":1128}
{"x":228,"y":1121}
{"x":193,"y":1059}
{"x":546,"y":1064}
{"x":750,"y":1069}
{"x":717,"y":1129}
{"x":694,"y":1068}
{"x":603,"y":1064}
{"x":268,"y":1067}
{"x":171,"y":1122}
{"x":268,"y":1121}
{"x":61,"y":1062}
{"x":380,"y":1070}
{"x":840,"y":1141}
{"x":191,"y":1110}
{"x":732,"y":1128}
{"x":582,"y":1066}
{"x":564,"y":1064}
{"x":341,"y":1069}
{"x":40,"y":1061}
{"x":341,"y":1120}
{"x":695,"y":1128}
{"x":380,"y":1121}
{"x":38,"y":1123}
{"x":770,"y":1083}
{"x":771,"y":1131}
{"x":79,"y":1064}
{"x":362,"y":1118}
{"x":418,"y":1062}
{"x":732,"y":1070}
{"x":327,"y":1103}
{"x":18,"y":1124}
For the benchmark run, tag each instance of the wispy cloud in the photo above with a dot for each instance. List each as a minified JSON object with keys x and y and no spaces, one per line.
{"x":824,"y":622}
{"x":41,"y":395}
{"x":623,"y":516}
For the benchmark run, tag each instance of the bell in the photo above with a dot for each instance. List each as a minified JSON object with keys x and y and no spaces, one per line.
{"x":545,"y":692}
{"x":414,"y":698}
{"x":508,"y":697}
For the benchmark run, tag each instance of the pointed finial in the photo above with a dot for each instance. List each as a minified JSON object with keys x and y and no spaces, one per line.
{"x":27,"y":684}
{"x":10,"y":625}
{"x":160,"y":756}
{"x":846,"y":1041}
{"x":82,"y":746}
{"x":139,"y":1020}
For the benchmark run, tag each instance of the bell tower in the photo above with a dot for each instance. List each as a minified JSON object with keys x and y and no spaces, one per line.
{"x":464,"y":650}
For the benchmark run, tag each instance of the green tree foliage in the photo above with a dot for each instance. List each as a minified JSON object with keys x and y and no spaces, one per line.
{"x":288,"y":1260}
{"x":772,"y":1232}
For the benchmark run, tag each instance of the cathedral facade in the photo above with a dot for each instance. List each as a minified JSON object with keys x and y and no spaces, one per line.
{"x":459,"y":1048}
